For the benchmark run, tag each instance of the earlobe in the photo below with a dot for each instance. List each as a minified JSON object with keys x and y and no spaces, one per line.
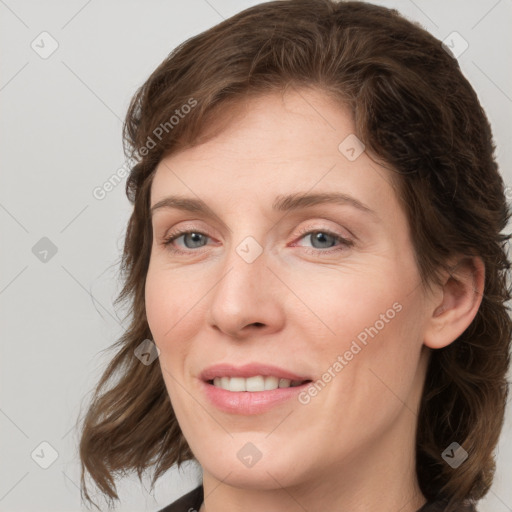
{"x":462,"y":293}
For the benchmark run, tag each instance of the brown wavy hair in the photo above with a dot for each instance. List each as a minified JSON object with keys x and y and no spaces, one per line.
{"x":415,"y":112}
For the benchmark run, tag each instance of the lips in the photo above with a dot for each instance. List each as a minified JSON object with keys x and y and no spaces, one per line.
{"x":250,"y":370}
{"x":255,"y":401}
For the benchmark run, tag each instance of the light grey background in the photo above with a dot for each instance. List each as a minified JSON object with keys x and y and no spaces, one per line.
{"x":60,"y":122}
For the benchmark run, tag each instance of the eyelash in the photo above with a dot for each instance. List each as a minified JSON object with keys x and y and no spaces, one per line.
{"x":305,"y":231}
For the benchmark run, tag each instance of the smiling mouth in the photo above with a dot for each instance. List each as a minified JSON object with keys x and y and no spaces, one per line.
{"x":257,"y":383}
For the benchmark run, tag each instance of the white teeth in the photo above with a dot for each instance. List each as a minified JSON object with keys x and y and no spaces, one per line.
{"x":257,"y":383}
{"x":237,"y":384}
{"x":271,"y":383}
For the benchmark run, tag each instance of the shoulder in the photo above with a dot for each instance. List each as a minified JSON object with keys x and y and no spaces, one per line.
{"x":190,"y":502}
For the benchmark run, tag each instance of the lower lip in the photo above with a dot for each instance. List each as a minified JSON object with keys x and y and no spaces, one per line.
{"x":249,"y":402}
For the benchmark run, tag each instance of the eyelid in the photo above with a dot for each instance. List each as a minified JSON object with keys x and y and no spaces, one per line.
{"x":172,"y":234}
{"x":192,"y":225}
{"x":344,"y":242}
{"x":315,"y":226}
{"x":312,"y":225}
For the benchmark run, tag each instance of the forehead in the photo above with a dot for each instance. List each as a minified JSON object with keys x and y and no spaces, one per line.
{"x":272,"y":145}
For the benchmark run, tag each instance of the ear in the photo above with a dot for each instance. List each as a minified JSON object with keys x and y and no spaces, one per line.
{"x":461,"y":297}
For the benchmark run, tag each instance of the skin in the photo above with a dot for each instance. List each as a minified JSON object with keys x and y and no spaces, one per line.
{"x":352,"y":446}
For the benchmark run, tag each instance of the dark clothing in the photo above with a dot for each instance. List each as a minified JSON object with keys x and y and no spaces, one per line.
{"x":439,"y":506}
{"x":191,"y":502}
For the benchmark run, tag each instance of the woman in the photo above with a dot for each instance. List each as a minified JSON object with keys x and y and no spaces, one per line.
{"x":365,"y":374}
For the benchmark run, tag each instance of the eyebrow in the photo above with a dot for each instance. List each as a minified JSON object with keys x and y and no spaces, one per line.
{"x":282,"y":203}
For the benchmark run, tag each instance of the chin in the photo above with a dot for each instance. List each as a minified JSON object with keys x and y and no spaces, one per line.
{"x":263,"y":477}
{"x":244,"y":465}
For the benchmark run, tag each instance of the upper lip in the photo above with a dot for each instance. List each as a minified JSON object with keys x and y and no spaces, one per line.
{"x":248,"y":370}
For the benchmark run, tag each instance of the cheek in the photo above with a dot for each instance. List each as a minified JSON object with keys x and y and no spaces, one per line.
{"x":173,"y":311}
{"x":168,"y":297}
{"x":166,"y":307}
{"x":163,"y":312}
{"x":156,"y":301}
{"x":373,"y":321}
{"x":350,"y":304}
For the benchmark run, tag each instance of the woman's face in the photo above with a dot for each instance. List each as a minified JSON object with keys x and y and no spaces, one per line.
{"x":271,"y":285}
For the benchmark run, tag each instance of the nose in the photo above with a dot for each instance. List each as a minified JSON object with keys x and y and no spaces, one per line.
{"x":248,"y":298}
